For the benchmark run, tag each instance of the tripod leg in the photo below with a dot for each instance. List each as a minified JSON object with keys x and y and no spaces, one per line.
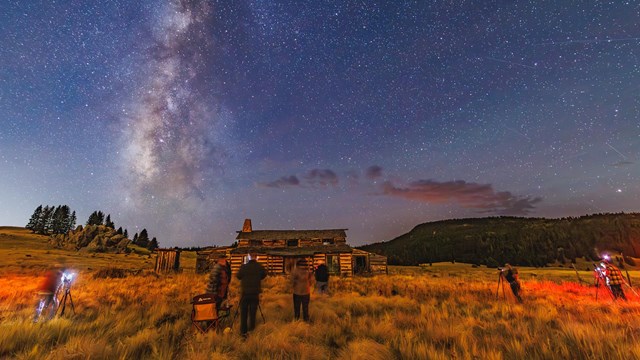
{"x":263,"y":319}
{"x":73,"y":308}
{"x":64,"y":303}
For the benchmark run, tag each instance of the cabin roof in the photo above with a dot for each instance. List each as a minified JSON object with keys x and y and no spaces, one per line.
{"x":295,"y":251}
{"x":291,"y":234}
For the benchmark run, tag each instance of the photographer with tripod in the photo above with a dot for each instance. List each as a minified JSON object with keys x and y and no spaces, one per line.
{"x":613,"y":278}
{"x":250,"y":276}
{"x":510,"y":275}
{"x":47,"y":291}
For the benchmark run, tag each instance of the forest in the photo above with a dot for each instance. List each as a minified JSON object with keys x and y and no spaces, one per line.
{"x":520,"y":241}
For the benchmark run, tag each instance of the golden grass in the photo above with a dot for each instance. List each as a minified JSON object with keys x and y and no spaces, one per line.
{"x":445,"y":311}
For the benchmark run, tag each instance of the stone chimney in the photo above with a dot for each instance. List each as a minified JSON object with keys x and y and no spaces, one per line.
{"x":247,"y":225}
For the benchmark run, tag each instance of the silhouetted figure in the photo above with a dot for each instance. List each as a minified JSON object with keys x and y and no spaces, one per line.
{"x":250,"y":276}
{"x":322,"y":278}
{"x":511,"y":276}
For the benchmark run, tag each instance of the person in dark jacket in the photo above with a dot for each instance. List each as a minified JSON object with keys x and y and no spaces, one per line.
{"x":250,"y":276}
{"x":322,"y":278}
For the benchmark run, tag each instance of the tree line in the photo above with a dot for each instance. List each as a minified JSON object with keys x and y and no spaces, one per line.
{"x":53,"y":220}
{"x":521,"y":241}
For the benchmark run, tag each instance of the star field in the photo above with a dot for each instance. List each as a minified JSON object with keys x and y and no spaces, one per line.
{"x":185,"y":117}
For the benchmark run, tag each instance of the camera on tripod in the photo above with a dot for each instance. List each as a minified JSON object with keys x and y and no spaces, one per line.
{"x":67,"y":278}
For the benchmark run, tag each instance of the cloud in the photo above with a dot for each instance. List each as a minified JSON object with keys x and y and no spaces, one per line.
{"x":622,"y":163}
{"x":373,"y":172}
{"x":321,"y":177}
{"x":468,"y":195}
{"x":283,"y":182}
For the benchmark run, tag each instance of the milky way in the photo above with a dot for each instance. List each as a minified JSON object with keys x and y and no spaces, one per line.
{"x":174,"y":148}
{"x":185,"y":117}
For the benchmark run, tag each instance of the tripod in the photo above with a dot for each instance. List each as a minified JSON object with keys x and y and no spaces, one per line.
{"x":67,"y":295}
{"x":501,"y":281}
{"x":599,"y":277}
{"x":238,"y":309}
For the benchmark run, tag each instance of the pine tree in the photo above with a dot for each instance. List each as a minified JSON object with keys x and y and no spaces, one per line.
{"x":100,"y":218}
{"x":46,"y":220}
{"x":126,"y":233}
{"x":153,"y":244}
{"x":33,"y":221}
{"x":108,"y":223}
{"x":92,"y":218}
{"x":143,"y":239}
{"x":71,"y":221}
{"x":119,"y":231}
{"x":135,"y":239}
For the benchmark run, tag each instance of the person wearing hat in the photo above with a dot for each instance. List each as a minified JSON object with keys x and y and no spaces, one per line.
{"x":614,"y":278}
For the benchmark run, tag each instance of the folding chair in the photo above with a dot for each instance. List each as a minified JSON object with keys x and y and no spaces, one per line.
{"x":204,"y":315}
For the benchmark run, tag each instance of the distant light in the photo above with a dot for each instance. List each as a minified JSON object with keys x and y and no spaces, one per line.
{"x":619,"y":190}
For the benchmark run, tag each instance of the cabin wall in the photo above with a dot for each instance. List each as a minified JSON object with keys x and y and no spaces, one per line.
{"x":346,"y":267}
{"x":167,"y":261}
{"x":378,"y":264}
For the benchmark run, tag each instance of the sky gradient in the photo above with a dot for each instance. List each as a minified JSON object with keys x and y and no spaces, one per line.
{"x":186,"y":117}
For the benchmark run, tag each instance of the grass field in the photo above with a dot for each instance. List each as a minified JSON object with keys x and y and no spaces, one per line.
{"x":444,"y":311}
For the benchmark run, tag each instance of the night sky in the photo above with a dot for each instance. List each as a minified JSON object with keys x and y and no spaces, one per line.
{"x":186,"y":117}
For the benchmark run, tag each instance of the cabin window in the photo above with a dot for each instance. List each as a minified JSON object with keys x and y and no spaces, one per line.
{"x":292,"y":242}
{"x":328,"y":242}
{"x":333,"y":264}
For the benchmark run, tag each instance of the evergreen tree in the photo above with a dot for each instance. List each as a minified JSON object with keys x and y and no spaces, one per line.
{"x":153,"y":244}
{"x":96,"y":218}
{"x":33,"y":221}
{"x":143,"y":239}
{"x":92,"y":218}
{"x":119,"y":231}
{"x":71,"y":221}
{"x":108,"y":223}
{"x":126,"y":233}
{"x":135,"y":239}
{"x":59,"y":219}
{"x":46,"y":220}
{"x":100,"y":218}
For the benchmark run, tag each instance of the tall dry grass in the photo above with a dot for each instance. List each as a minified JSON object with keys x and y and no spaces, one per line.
{"x":401,"y":316}
{"x":441,"y":312}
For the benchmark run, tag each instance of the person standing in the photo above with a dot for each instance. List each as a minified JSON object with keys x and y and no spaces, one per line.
{"x":511,"y":276}
{"x":322,"y":278}
{"x":47,"y":291}
{"x":614,"y":279}
{"x":250,"y":276}
{"x":301,"y":281}
{"x":219,"y":279}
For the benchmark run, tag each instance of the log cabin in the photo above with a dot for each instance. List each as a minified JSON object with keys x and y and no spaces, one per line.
{"x":279,"y":250}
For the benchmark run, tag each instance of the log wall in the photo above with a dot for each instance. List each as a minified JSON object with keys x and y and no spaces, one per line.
{"x":167,"y":261}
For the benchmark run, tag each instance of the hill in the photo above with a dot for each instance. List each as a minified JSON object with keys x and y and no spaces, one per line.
{"x":522,"y":241}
